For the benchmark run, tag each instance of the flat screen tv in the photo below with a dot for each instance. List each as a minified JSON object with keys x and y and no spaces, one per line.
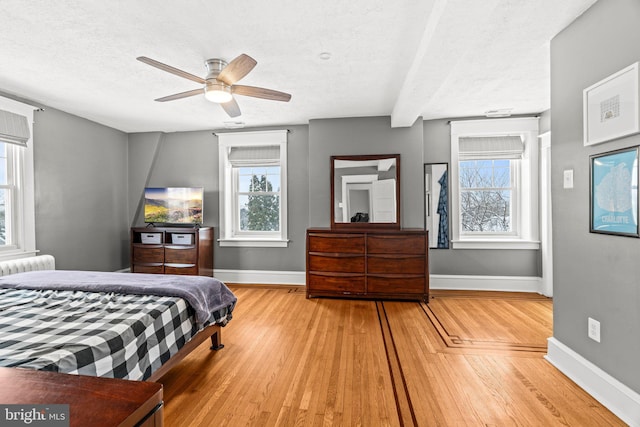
{"x":173,"y":205}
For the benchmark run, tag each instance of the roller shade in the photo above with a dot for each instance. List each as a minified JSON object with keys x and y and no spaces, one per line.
{"x":248,"y":155}
{"x":14,"y":128}
{"x":491,"y":147}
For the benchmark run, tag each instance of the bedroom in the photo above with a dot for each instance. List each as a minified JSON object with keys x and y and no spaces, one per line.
{"x":88,"y":178}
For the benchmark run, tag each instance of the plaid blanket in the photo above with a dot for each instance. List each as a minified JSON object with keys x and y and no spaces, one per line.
{"x":92,"y":333}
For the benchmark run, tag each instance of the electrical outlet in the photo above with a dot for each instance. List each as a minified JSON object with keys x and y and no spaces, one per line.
{"x":594,"y":329}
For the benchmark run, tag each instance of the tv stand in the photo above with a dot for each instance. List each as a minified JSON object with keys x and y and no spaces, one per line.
{"x":172,"y":250}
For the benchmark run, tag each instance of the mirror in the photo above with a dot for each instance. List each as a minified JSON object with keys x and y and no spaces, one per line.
{"x":436,"y":199}
{"x":365,"y":191}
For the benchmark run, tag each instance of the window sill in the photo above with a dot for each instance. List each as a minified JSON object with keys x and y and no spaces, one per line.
{"x":496,"y":244}
{"x":253,"y":242}
{"x":12,"y":253}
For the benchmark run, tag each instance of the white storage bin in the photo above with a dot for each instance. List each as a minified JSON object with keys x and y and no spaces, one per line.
{"x":151,"y":238}
{"x":182,"y":239}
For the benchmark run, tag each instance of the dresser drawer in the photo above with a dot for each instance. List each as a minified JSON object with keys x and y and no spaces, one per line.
{"x":187,"y":269}
{"x":396,"y":264}
{"x":345,"y":285}
{"x":148,"y":254}
{"x":396,"y":244}
{"x":340,"y":263}
{"x":149,"y":269}
{"x":336,"y":243}
{"x":395,"y":285}
{"x":181,"y":254}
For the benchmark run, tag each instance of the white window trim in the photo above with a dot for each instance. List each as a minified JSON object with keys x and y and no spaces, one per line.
{"x":527,"y":210}
{"x":236,"y":139}
{"x":24,"y":223}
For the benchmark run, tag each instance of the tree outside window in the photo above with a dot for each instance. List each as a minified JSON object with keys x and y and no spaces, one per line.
{"x":486,"y":196}
{"x":259,"y":198}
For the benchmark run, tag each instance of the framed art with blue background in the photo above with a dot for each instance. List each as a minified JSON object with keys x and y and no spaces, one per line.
{"x":614,"y":192}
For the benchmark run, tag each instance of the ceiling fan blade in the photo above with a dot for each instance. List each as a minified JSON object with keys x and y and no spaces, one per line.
{"x":231,"y":108}
{"x":181,"y":95}
{"x":237,"y":69}
{"x":170,"y":69}
{"x":260,"y":92}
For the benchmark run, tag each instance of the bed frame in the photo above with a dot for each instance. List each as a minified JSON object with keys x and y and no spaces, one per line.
{"x":212,"y":331}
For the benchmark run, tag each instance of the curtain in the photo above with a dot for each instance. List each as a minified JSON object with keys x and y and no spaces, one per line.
{"x":14,"y":128}
{"x":491,"y":147}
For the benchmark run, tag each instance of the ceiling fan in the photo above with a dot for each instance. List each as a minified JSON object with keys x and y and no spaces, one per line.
{"x":219,"y":85}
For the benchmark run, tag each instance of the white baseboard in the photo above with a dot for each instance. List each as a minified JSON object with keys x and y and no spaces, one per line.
{"x":617,"y":397}
{"x":448,"y":282}
{"x":261,"y":277}
{"x":486,"y":283}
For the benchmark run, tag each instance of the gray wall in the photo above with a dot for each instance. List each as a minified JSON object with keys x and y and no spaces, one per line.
{"x":544,"y":124}
{"x":142,"y":152}
{"x":480,"y":262}
{"x":191,"y":159}
{"x":80,"y":191}
{"x":365,"y":135}
{"x":594,"y":275}
{"x":183,"y":159}
{"x":110,"y":170}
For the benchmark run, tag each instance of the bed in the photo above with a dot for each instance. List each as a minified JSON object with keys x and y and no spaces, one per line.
{"x":118,"y":325}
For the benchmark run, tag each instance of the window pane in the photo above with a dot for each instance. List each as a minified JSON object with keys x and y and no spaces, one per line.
{"x":259,"y":212}
{"x":486,"y":211}
{"x":502,"y":177}
{"x":257,"y":183}
{"x":273,"y":179}
{"x":259,"y":179}
{"x":485,"y":174}
{"x":4,"y":196}
{"x":469,"y":175}
{"x":244,"y":181}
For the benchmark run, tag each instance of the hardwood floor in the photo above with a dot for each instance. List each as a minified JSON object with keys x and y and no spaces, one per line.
{"x":464,"y":359}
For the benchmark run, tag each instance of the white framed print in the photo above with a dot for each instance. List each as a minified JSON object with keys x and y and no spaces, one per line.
{"x":610,"y":107}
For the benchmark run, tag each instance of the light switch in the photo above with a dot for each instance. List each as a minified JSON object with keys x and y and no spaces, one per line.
{"x":568,"y":178}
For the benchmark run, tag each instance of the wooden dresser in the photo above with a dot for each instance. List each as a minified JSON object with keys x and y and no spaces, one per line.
{"x":381,"y":264}
{"x":172,"y":250}
{"x":93,"y":401}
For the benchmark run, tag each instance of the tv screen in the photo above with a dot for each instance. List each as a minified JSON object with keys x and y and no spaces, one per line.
{"x":173,"y":205}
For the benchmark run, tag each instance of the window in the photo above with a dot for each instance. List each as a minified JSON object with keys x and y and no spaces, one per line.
{"x":17,"y":210}
{"x":257,"y":202}
{"x":253,"y":196}
{"x":7,"y":191}
{"x":487,"y":188}
{"x":494,"y":184}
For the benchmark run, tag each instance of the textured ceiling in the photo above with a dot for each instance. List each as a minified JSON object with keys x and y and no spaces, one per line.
{"x":400,"y":58}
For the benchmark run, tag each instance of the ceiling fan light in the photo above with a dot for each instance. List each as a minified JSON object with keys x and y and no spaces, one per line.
{"x":218,"y":92}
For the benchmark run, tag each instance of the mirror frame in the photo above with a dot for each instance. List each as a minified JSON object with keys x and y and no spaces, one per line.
{"x":431,"y":207}
{"x":365,"y":225}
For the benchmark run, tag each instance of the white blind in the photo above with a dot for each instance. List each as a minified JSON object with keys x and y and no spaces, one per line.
{"x":14,"y":128}
{"x":249,"y":155}
{"x":491,"y":147}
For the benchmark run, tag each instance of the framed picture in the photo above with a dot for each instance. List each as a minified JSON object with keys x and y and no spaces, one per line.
{"x":610,"y":107}
{"x":614,"y":192}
